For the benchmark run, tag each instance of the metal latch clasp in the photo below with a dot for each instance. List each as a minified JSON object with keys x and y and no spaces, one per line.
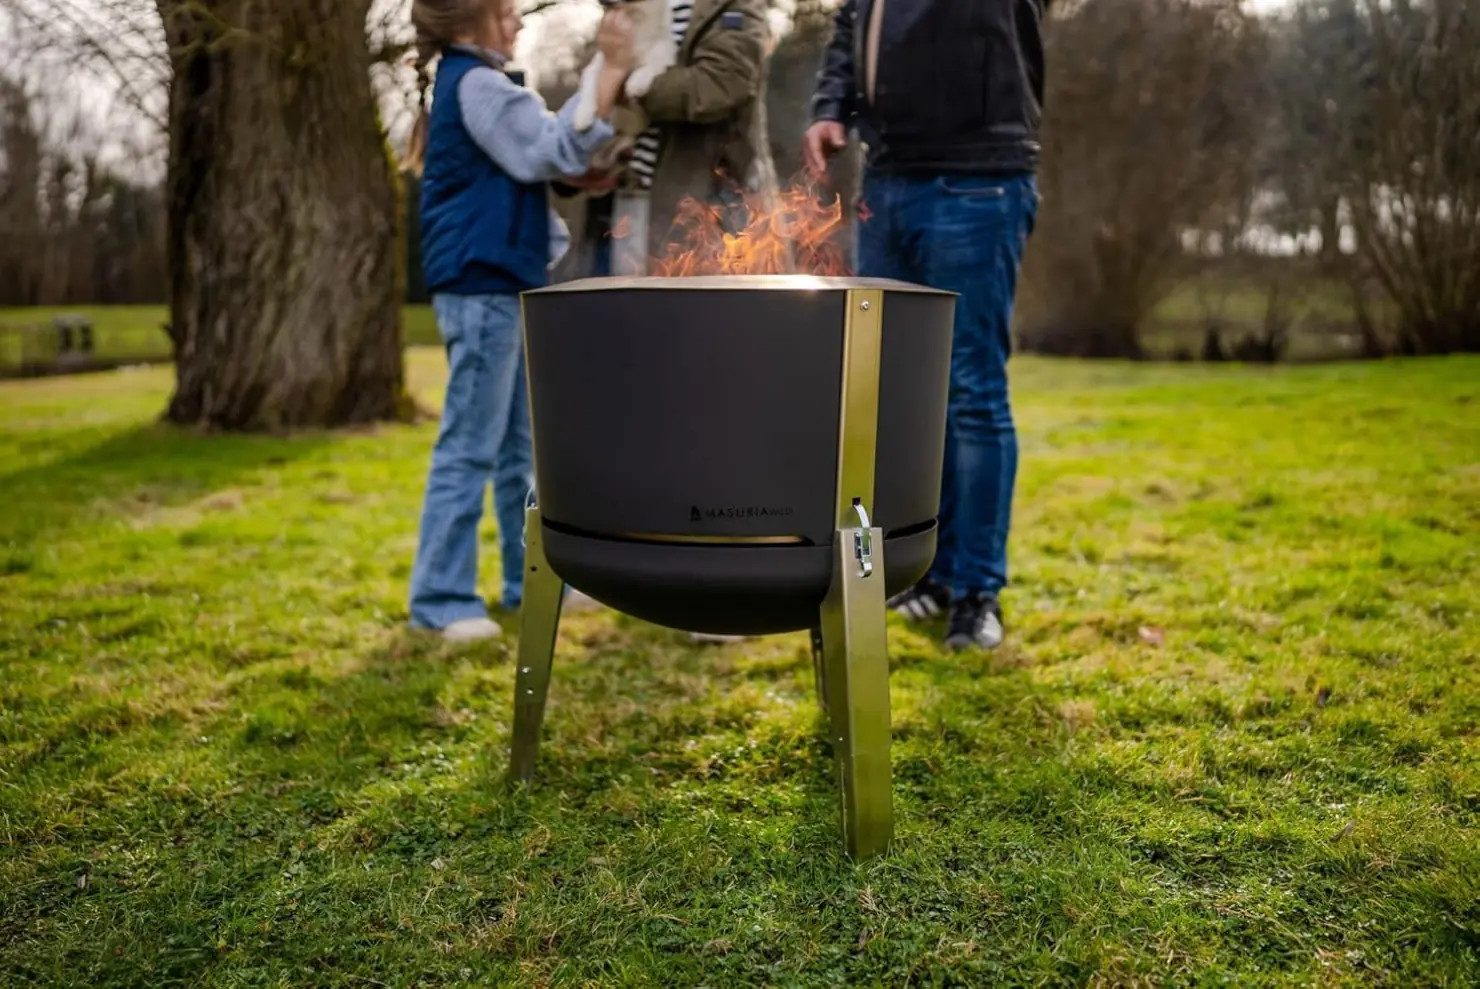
{"x":530,"y":501}
{"x":863,"y":541}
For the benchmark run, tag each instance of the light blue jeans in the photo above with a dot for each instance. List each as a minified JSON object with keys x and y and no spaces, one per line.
{"x":484,"y":437}
{"x":964,"y":234}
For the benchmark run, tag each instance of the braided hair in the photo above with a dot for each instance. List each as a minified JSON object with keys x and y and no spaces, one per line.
{"x":438,"y":23}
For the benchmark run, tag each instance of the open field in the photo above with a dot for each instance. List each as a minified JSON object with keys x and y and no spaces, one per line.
{"x":1322,"y":330}
{"x":1234,"y":738}
{"x":130,"y":333}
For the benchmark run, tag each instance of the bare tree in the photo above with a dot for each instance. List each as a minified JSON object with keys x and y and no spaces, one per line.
{"x":1147,"y":133}
{"x":21,"y":222}
{"x":78,"y":222}
{"x":1310,"y":85}
{"x":1409,"y":164}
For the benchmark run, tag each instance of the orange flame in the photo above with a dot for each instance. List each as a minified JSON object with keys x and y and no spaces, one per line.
{"x":796,"y":233}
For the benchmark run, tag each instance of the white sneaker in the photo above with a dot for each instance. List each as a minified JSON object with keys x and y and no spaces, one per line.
{"x":706,"y":638}
{"x":472,"y":630}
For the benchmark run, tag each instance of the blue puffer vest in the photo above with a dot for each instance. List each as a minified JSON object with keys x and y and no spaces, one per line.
{"x":481,"y":232}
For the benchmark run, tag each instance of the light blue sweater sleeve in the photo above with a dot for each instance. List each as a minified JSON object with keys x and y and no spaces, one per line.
{"x":513,"y":127}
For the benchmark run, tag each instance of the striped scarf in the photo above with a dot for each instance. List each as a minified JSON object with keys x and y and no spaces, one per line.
{"x":644,"y":161}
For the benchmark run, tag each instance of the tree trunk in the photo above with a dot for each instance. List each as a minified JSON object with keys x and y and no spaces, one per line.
{"x":20,"y":198}
{"x":285,"y":283}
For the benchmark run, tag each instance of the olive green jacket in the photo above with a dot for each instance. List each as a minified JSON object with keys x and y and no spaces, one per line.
{"x":710,"y":108}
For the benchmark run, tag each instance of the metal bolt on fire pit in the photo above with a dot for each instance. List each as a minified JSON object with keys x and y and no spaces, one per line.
{"x":740,"y":455}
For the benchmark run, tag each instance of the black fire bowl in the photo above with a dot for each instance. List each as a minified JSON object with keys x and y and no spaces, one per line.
{"x":687,"y":436}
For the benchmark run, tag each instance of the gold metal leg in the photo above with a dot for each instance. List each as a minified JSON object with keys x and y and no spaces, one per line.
{"x":539,"y":620}
{"x":856,"y":691}
{"x":819,"y":673}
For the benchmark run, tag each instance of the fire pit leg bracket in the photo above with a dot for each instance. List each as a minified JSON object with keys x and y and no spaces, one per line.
{"x":539,"y":620}
{"x":854,"y":660}
{"x":855,"y":689}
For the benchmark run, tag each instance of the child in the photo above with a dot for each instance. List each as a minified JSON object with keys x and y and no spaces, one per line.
{"x":486,"y":152}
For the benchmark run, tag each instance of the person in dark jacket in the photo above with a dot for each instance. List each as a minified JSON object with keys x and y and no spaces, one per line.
{"x":946,"y":95}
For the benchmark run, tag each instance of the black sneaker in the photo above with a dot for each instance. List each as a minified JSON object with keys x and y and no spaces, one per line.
{"x":976,"y":623}
{"x":924,"y":601}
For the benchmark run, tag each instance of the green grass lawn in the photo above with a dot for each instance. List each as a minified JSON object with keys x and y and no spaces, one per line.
{"x":1233,"y":739}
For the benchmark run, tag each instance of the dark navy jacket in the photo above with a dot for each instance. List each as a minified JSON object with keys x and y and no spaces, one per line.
{"x":959,"y":84}
{"x":482,"y":233}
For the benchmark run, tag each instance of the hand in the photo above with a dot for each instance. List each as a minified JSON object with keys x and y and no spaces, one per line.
{"x":823,"y":139}
{"x":614,"y":40}
{"x":595,"y":181}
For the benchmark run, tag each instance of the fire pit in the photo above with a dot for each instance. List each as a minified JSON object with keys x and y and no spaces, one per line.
{"x":739,"y":454}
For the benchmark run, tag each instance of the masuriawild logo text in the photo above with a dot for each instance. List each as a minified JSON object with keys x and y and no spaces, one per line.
{"x":697,"y":514}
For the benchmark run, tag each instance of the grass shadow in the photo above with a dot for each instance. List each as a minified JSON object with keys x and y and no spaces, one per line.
{"x":147,"y":467}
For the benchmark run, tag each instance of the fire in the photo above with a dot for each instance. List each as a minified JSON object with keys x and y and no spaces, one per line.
{"x":795,"y":233}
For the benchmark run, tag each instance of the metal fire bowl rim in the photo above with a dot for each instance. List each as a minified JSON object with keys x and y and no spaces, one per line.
{"x":793,"y":283}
